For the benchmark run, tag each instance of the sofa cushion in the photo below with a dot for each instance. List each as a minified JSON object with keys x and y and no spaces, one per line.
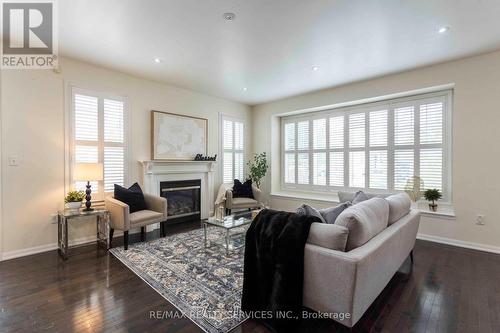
{"x":364,"y":221}
{"x":307,"y":210}
{"x":331,"y":214}
{"x":349,"y":196}
{"x":144,"y":216}
{"x":329,"y":236}
{"x":132,"y":196}
{"x":244,"y":203}
{"x":359,"y":197}
{"x":242,"y":190}
{"x":399,"y":206}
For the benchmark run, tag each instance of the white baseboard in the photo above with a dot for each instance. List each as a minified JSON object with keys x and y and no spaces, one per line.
{"x":49,"y":247}
{"x":459,"y":243}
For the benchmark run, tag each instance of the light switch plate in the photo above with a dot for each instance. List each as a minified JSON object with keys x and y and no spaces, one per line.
{"x":13,"y":160}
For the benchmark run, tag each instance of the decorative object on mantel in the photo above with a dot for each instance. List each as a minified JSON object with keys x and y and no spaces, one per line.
{"x":88,"y":172}
{"x":177,"y":137}
{"x":73,"y":200}
{"x":432,"y":195}
{"x":257,"y":168}
{"x":413,"y":188}
{"x":200,"y":157}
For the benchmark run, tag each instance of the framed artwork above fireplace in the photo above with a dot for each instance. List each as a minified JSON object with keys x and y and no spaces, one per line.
{"x":177,"y":137}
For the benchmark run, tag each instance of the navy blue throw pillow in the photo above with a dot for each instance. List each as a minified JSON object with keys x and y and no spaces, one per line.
{"x":132,"y":196}
{"x":242,"y":190}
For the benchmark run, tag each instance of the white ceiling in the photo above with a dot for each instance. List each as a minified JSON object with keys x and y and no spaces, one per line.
{"x":271,"y":46}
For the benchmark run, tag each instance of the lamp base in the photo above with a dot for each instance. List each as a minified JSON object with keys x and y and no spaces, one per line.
{"x":88,"y":198}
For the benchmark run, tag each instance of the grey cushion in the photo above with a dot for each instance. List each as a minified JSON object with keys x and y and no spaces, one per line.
{"x":364,"y":221}
{"x":331,"y":214}
{"x":305,"y":209}
{"x":349,"y":196}
{"x":359,"y":197}
{"x":399,"y":206}
{"x":330,"y":236}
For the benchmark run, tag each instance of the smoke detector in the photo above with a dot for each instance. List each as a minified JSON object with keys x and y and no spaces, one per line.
{"x":229,"y":16}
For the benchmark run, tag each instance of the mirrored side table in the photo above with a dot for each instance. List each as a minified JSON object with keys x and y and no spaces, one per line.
{"x":64,"y":216}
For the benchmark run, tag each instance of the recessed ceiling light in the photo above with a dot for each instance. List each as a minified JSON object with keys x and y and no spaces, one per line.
{"x":245,"y":89}
{"x":444,"y":29}
{"x":229,"y":16}
{"x":157,"y":60}
{"x":315,"y":68}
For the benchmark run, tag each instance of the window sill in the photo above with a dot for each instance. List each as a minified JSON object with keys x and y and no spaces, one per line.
{"x":445,"y":210}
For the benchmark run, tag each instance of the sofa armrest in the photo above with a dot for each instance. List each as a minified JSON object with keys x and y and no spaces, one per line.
{"x":229,"y":199}
{"x":258,"y":195}
{"x":156,"y":203}
{"x":329,"y":281}
{"x":330,"y":236}
{"x":119,"y":213}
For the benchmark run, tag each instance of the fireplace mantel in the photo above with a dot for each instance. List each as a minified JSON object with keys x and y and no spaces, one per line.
{"x":155,"y":171}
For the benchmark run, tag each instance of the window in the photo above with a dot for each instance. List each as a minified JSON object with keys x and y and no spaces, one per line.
{"x":98,"y":136}
{"x":378,"y":146}
{"x":233,"y":147}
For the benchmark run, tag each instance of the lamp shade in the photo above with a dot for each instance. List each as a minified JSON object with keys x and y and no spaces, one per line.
{"x":88,"y":172}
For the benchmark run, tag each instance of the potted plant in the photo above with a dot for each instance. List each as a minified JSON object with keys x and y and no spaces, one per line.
{"x":258,"y":168}
{"x":432,"y":195}
{"x":73,"y":199}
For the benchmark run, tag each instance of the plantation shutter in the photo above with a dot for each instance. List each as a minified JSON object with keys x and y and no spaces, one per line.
{"x":99,"y":137}
{"x":233,"y":157}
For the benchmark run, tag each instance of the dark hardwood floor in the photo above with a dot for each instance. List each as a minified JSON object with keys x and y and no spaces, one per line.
{"x":449,"y":290}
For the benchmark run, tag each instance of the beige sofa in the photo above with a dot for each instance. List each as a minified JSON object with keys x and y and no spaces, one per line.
{"x":344,"y":284}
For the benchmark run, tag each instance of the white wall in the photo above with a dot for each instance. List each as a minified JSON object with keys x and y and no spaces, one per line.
{"x":32,"y":106}
{"x":476,"y":140}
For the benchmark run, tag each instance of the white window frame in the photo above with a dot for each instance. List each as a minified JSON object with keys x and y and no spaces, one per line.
{"x":223,"y":117}
{"x":445,"y":96}
{"x":71,"y":90}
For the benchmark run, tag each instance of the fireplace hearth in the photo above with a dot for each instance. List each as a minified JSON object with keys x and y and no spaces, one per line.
{"x":183,"y":199}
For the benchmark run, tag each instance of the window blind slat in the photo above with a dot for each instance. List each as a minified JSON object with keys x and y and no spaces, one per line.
{"x":337,"y":132}
{"x":336,"y":169}
{"x":228,"y":167}
{"x":319,"y":169}
{"x":431,"y":168}
{"x":357,"y":169}
{"x":404,"y":125}
{"x":378,"y":128}
{"x":238,"y":166}
{"x":238,"y":135}
{"x":303,"y":135}
{"x":403,"y":168}
{"x":290,"y":136}
{"x":289,"y":164}
{"x":319,"y":134}
{"x":228,"y":134}
{"x":113,"y":121}
{"x":431,"y":123}
{"x":357,"y":130}
{"x":86,"y":118}
{"x":303,"y":168}
{"x":378,"y":169}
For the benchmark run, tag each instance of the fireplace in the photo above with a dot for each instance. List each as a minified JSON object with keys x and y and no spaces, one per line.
{"x":183,"y":199}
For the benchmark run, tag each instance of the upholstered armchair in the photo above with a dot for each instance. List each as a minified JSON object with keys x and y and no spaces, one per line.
{"x":122,"y":219}
{"x":243,"y":203}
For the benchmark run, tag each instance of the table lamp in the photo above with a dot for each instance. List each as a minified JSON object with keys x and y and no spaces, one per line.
{"x":88,"y":172}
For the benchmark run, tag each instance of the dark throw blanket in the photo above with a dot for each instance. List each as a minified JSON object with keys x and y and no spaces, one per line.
{"x":274,"y":266}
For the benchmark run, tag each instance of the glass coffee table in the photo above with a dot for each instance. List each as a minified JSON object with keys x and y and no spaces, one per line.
{"x":231,"y":240}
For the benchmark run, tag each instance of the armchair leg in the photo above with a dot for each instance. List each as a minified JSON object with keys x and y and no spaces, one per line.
{"x":111,"y":231}
{"x":411,"y":256}
{"x":125,"y":240}
{"x":163,"y":228}
{"x":143,"y":233}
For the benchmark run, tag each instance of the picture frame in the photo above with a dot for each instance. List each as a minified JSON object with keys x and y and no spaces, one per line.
{"x":177,"y":137}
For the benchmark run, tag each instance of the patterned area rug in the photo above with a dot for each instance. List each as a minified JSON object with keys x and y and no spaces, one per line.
{"x":205,"y":284}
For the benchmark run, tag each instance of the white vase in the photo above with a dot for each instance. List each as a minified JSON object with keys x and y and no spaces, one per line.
{"x":73,"y":205}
